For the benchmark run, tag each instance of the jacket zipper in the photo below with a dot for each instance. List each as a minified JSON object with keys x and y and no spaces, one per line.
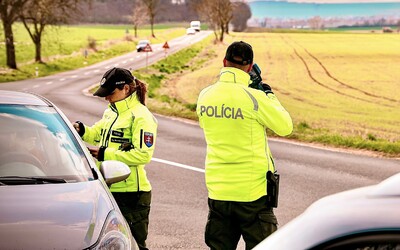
{"x":109,"y":130}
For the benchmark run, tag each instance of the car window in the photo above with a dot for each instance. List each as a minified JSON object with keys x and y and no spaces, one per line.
{"x":144,"y":42}
{"x":35,"y":141}
{"x":373,"y":240}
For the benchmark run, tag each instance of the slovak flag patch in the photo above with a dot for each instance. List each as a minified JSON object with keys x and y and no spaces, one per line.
{"x":148,"y":139}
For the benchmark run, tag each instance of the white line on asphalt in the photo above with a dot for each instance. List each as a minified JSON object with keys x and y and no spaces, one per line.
{"x":178,"y":165}
{"x":62,"y":79}
{"x":74,"y":76}
{"x":123,"y":62}
{"x":35,"y":86}
{"x":96,"y":70}
{"x":48,"y":83}
{"x":86,"y":73}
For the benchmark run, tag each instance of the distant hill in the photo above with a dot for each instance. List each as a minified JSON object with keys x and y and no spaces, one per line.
{"x":291,"y":10}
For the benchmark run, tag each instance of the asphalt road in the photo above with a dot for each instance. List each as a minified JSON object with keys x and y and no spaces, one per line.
{"x":179,"y":206}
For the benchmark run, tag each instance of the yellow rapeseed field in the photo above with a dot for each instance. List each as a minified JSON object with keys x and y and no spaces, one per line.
{"x":345,"y":83}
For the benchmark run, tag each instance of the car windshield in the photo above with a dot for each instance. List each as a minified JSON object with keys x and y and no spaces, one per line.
{"x":36,"y":142}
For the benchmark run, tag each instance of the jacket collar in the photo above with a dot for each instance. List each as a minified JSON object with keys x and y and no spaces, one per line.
{"x":125,"y":104}
{"x":230,"y":74}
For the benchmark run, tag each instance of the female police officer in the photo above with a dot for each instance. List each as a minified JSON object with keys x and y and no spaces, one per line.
{"x":126,"y":133}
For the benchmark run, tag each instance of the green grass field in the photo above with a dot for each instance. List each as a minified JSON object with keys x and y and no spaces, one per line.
{"x":63,"y":46}
{"x":66,"y":40}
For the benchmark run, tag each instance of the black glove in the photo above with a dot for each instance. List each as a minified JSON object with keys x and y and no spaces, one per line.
{"x":126,"y":146}
{"x":79,"y":127}
{"x":266,"y":88}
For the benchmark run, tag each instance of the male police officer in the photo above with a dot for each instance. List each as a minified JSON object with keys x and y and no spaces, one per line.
{"x":234,"y":118}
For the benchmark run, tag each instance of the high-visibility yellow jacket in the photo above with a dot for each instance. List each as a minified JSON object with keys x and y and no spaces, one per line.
{"x":234,"y":118}
{"x":127,"y":121}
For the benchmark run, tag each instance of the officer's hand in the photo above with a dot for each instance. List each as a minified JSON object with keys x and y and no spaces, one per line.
{"x":94,"y":151}
{"x":76,"y":127}
{"x":266,"y":88}
{"x":79,"y":127}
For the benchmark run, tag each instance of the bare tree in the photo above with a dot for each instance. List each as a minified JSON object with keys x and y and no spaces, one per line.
{"x":315,"y":22}
{"x":151,"y":6}
{"x":398,"y":25}
{"x":218,"y":13}
{"x":240,"y":14}
{"x":139,"y":15}
{"x":37,"y":14}
{"x":9,"y":10}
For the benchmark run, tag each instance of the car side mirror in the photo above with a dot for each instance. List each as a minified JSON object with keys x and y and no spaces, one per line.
{"x":114,"y":171}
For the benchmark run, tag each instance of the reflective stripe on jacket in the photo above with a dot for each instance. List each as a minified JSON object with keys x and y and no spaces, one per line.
{"x":127,"y":121}
{"x":234,"y":118}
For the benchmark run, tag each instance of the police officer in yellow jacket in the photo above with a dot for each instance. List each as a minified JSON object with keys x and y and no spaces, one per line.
{"x":234,"y":118}
{"x":126,"y":133}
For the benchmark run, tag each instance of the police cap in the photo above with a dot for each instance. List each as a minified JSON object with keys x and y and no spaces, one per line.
{"x":112,"y":79}
{"x":240,"y":53}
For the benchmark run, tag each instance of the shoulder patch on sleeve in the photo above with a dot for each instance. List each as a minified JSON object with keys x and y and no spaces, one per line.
{"x":148,"y":139}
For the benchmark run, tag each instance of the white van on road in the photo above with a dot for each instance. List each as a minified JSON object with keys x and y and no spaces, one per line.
{"x":195,"y":25}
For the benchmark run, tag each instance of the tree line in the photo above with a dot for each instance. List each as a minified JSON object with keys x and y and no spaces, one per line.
{"x":36,"y":15}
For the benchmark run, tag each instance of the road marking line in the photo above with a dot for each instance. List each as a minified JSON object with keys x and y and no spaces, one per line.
{"x":86,"y":73}
{"x":74,"y":76}
{"x":96,"y":70}
{"x":48,"y":83}
{"x":178,"y":165}
{"x":62,"y":79}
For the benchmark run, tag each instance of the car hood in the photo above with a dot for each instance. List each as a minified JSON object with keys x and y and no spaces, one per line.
{"x":52,"y":216}
{"x":349,"y":212}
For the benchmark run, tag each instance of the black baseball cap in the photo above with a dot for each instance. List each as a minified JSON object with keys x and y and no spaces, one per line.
{"x":111,"y":79}
{"x":240,"y":53}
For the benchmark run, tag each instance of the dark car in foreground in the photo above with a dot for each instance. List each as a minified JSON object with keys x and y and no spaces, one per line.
{"x":52,"y":195}
{"x":366,"y":218}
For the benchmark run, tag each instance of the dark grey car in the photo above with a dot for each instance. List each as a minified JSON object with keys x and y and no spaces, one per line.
{"x":366,"y":218}
{"x":52,"y":195}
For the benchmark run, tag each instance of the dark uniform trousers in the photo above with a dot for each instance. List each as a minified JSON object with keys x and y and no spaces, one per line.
{"x":135,"y":207}
{"x":228,"y":220}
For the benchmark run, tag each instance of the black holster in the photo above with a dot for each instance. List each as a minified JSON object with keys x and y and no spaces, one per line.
{"x":272,"y":188}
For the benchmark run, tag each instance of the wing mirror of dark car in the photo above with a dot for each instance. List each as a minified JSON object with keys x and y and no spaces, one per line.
{"x":114,"y":171}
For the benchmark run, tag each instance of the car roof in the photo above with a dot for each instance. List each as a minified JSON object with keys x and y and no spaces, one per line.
{"x":22,"y":98}
{"x":366,"y":209}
